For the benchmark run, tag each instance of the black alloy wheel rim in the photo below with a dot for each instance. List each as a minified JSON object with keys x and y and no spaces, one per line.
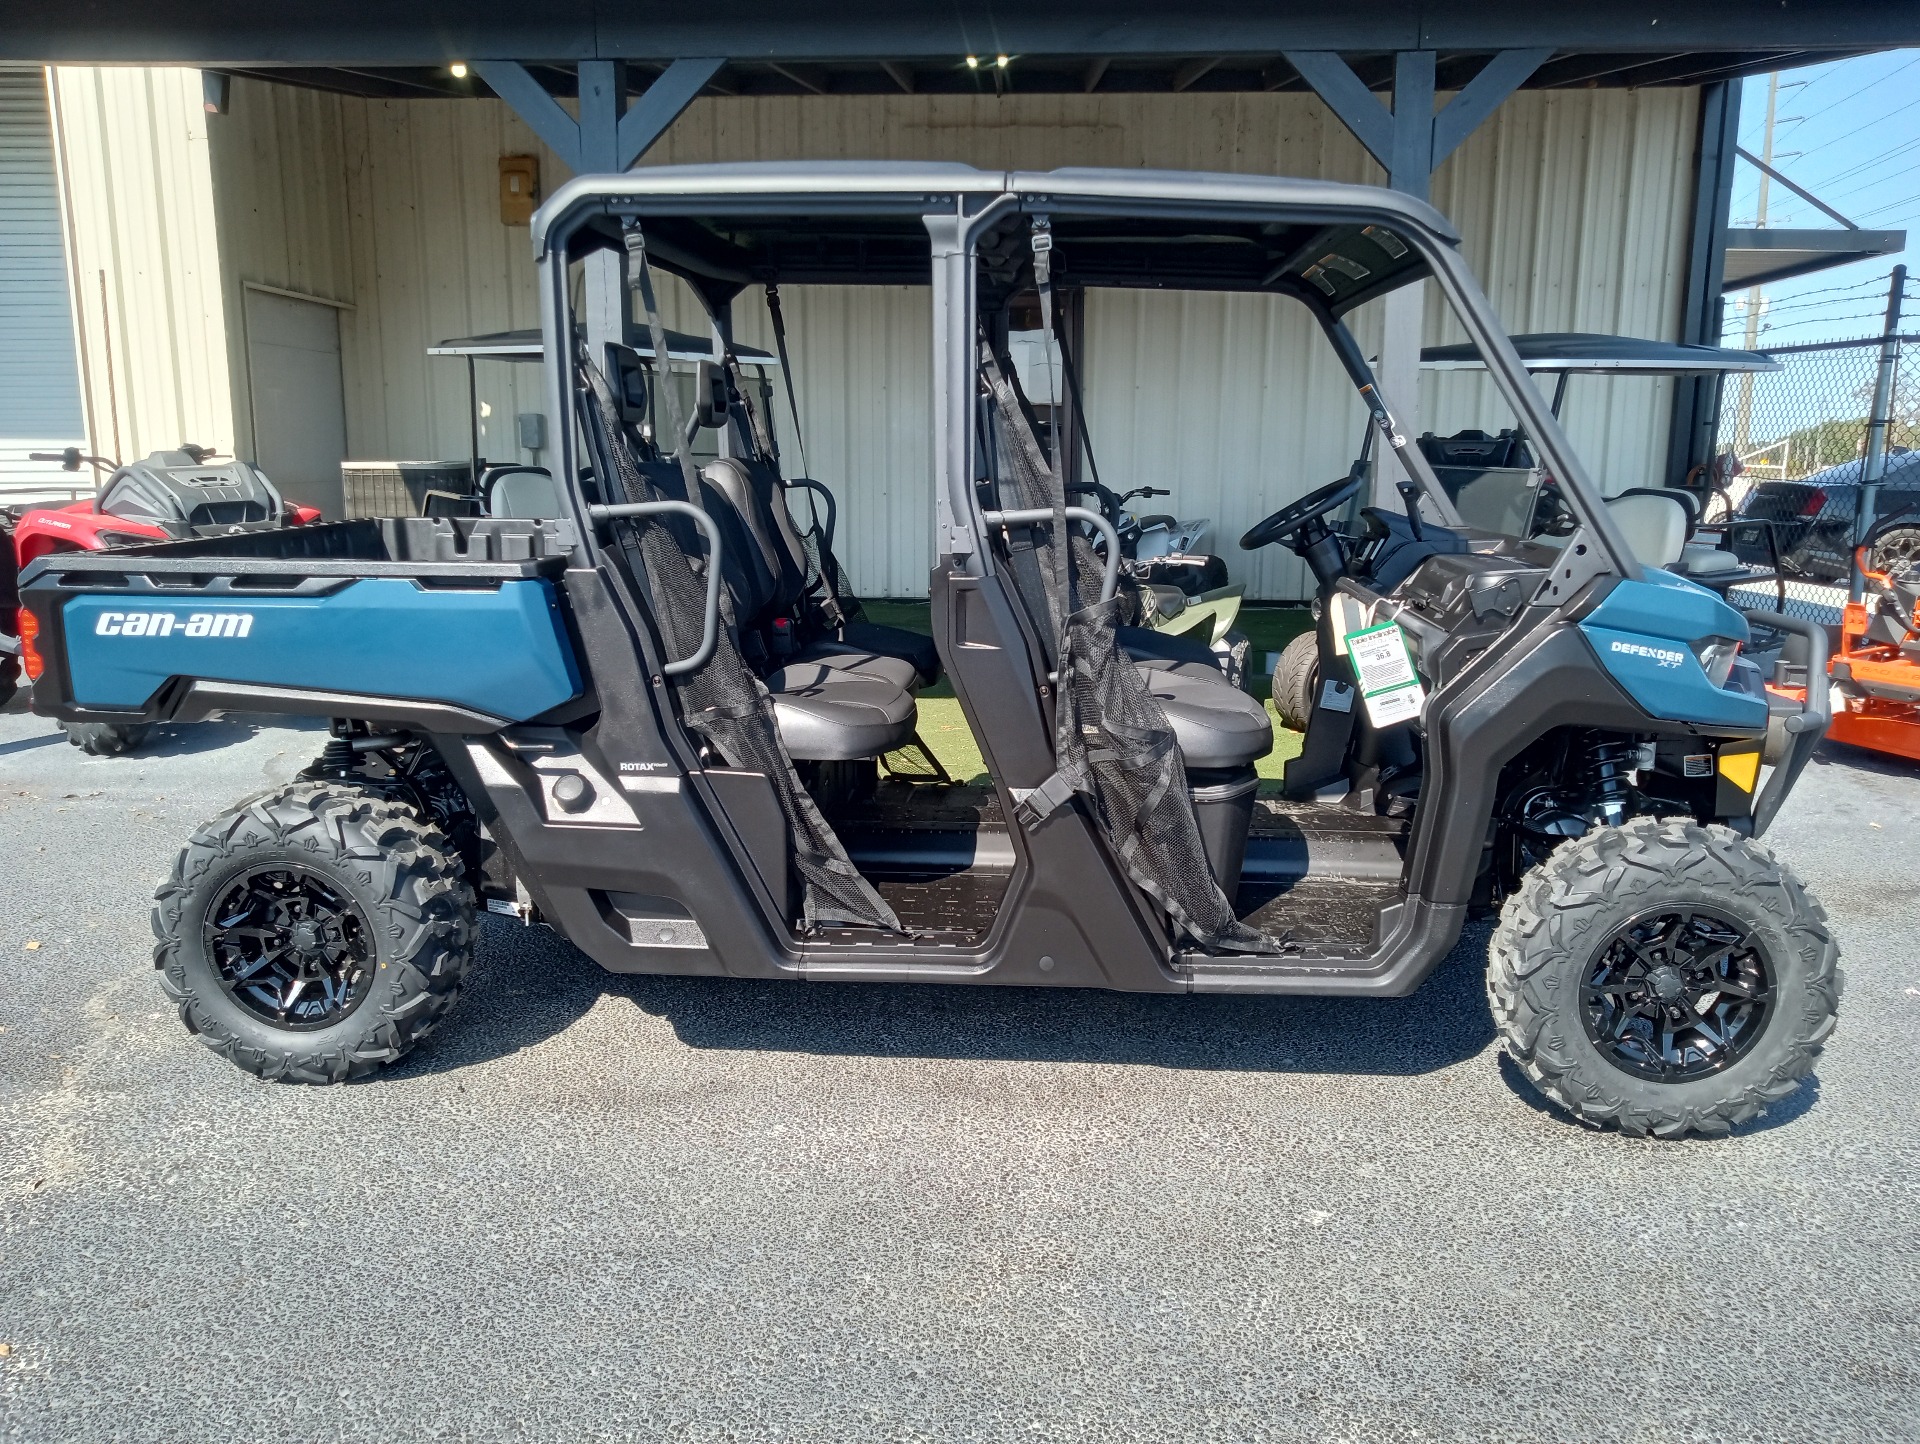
{"x":290,"y":947}
{"x":1678,"y":993}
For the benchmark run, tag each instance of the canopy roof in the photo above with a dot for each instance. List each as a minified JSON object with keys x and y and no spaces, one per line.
{"x":724,"y":227}
{"x":1587,"y":351}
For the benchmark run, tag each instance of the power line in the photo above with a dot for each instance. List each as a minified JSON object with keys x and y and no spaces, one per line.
{"x":1863,"y":89}
{"x":1878,"y":120}
{"x":1890,"y":205}
{"x":1871,"y":163}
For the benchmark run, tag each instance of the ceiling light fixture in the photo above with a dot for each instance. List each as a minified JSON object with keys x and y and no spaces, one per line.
{"x":1001,"y":61}
{"x":973,"y":62}
{"x":458,"y":69}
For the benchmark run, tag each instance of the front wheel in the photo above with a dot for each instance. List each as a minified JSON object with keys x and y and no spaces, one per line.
{"x":1664,"y":977}
{"x":1296,"y":677}
{"x":314,"y":934}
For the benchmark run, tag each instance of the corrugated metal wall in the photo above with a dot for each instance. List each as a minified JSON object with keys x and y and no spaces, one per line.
{"x":139,"y":193}
{"x":39,"y":376}
{"x":1573,"y":205}
{"x":279,"y":165}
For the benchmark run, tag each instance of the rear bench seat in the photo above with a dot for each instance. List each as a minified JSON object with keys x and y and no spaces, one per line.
{"x":834,"y":702}
{"x":760,"y":500}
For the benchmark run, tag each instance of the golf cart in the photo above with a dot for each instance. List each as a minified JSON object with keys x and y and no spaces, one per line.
{"x":642,"y":720}
{"x":692,"y":361}
{"x":1498,"y":483}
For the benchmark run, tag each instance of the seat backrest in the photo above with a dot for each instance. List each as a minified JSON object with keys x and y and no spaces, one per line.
{"x":754,"y":494}
{"x":528,"y":494}
{"x":1655,"y":526}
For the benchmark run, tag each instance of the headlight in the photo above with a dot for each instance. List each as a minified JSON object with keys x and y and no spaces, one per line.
{"x":1716,"y":656}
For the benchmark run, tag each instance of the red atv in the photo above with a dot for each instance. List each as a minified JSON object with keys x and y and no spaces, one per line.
{"x":169,"y":496}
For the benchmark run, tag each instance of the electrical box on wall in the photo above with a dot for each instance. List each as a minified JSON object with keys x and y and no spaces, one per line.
{"x":519,"y":188}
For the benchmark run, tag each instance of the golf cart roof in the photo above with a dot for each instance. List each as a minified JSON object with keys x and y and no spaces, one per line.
{"x":526,"y":346}
{"x":1587,"y":351}
{"x":725,"y":227}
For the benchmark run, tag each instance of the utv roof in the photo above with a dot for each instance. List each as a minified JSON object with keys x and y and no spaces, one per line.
{"x":527,"y":346}
{"x":1587,"y":351}
{"x":729,"y":226}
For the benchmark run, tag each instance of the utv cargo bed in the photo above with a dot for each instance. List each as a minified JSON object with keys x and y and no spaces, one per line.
{"x":455,"y":620}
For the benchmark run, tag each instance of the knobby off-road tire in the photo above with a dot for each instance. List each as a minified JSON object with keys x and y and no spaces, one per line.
{"x":1295,"y":675}
{"x":105,"y":739}
{"x":1558,"y":931}
{"x":398,"y":947}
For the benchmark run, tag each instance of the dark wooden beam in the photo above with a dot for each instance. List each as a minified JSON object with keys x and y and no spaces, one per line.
{"x":1191,"y":70}
{"x":807,"y":77}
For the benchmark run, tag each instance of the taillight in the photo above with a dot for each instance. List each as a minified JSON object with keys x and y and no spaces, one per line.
{"x":1815,"y":503}
{"x":31,"y":662}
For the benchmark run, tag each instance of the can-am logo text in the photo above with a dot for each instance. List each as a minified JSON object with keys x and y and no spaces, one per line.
{"x":1664,"y":656}
{"x":171,"y":624}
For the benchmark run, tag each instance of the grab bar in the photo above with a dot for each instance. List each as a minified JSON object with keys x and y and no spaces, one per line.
{"x":1031,"y":514}
{"x":710,"y":622}
{"x":1807,"y":726}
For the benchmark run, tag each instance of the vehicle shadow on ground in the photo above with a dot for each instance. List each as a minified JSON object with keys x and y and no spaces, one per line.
{"x":1785,"y":1111}
{"x":28,"y":744}
{"x":529,"y":986}
{"x":184,"y":741}
{"x":1860,"y":759}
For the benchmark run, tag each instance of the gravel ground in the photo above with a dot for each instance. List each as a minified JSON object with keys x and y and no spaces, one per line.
{"x":598,"y":1208}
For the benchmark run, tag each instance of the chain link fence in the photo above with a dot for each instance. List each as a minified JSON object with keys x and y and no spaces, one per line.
{"x":1792,"y":425}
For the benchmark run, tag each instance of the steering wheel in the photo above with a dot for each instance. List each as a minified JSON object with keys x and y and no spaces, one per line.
{"x":1290,"y":519}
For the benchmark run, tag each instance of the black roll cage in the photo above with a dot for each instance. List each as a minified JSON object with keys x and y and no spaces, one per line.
{"x":959,"y":204}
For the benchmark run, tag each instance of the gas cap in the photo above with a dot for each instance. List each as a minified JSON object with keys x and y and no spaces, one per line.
{"x":572,"y":792}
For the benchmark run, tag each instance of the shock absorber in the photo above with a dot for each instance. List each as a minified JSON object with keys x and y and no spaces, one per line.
{"x":1609,"y":764}
{"x":336,"y":759}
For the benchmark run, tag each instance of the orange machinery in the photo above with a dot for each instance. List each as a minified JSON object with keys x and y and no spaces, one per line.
{"x":1875,"y":676}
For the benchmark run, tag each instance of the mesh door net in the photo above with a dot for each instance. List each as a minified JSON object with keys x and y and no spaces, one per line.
{"x":722,"y":702}
{"x":1112,"y":743}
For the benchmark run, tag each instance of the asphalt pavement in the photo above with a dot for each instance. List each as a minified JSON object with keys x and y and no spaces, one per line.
{"x":630,"y":1208}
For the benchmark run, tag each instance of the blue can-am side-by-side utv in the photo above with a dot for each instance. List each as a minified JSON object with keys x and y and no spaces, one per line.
{"x":637,"y":701}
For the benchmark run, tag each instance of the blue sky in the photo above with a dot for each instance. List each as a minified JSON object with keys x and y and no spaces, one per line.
{"x":1849,"y":131}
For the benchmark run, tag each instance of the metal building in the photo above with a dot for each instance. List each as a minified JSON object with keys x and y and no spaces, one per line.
{"x":269,"y":246}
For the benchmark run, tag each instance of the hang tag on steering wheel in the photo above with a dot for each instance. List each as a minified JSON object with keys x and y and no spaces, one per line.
{"x":1383,"y":663}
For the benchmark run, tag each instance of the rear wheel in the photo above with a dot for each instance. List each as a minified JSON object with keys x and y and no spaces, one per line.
{"x":1664,"y":977}
{"x":106,"y":739}
{"x":314,"y":934}
{"x":1295,"y":676}
{"x":1896,"y":548}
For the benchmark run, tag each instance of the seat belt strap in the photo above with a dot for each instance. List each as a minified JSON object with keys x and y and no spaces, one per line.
{"x":1060,"y":554}
{"x":643,"y":280}
{"x":779,"y":320}
{"x":1036,"y":806}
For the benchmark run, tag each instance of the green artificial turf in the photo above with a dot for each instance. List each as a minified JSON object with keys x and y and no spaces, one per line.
{"x":943,"y":727}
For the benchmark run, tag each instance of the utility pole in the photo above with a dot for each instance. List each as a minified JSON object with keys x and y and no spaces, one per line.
{"x":1874,"y":465}
{"x":1742,"y":437}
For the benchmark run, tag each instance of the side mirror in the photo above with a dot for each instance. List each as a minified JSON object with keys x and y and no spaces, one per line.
{"x":710,"y":395}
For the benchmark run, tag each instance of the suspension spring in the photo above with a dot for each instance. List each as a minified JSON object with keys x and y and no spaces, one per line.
{"x":1609,"y":765}
{"x":336,"y":759}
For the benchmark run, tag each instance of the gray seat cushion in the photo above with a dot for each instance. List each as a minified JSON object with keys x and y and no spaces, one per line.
{"x":829,"y":714}
{"x":1167,"y":649}
{"x":835,"y":657}
{"x":1214,"y":722}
